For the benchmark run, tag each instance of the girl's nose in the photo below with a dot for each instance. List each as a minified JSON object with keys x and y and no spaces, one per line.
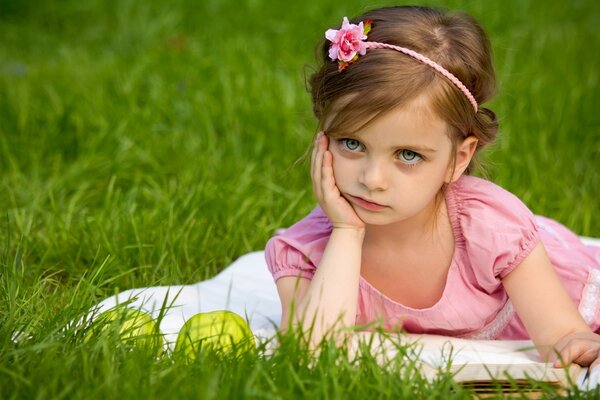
{"x":373,"y":176}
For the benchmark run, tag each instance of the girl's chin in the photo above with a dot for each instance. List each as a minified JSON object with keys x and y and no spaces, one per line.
{"x":372,"y":217}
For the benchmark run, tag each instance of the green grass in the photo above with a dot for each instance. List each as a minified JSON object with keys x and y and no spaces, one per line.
{"x":146,"y":143}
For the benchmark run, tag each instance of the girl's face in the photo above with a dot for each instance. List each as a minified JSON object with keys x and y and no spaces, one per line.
{"x":391,"y":170}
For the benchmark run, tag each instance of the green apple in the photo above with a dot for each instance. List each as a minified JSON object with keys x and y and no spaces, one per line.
{"x":134,"y":328}
{"x":223,"y":332}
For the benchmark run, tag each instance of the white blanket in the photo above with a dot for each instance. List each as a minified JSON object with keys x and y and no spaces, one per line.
{"x":246,"y":287}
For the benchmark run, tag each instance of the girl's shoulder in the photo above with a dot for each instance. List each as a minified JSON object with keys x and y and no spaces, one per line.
{"x":491,"y":225}
{"x":485,"y":202}
{"x":296,"y":251}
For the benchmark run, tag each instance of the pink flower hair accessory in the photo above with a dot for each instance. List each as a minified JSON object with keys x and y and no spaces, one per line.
{"x":349,"y":42}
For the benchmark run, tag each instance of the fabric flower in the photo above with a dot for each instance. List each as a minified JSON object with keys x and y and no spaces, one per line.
{"x":348,"y":42}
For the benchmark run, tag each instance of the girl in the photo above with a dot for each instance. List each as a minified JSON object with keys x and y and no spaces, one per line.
{"x":403,"y":235}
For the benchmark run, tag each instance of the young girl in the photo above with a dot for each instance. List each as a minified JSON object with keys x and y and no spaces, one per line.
{"x":403,"y":235}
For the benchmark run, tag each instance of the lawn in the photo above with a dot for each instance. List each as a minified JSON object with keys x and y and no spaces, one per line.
{"x":147,"y":143}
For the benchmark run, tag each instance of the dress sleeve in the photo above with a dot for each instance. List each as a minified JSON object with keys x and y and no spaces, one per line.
{"x":498,"y":230}
{"x":296,"y":251}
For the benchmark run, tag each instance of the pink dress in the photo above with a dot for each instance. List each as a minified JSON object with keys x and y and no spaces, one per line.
{"x":494,"y":231}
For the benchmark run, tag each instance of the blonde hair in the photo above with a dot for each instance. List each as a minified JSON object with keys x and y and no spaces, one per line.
{"x":384,"y":79}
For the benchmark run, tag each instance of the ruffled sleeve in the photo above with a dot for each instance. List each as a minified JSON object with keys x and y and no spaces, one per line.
{"x":495,"y":228}
{"x":296,"y":251}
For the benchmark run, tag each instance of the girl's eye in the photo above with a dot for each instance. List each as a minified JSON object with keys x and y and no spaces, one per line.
{"x":409,"y":156}
{"x":351,"y":144}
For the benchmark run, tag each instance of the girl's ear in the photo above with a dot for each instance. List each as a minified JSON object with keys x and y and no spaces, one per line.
{"x":464,"y":153}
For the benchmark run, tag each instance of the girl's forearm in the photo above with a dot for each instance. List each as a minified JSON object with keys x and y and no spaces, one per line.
{"x":331,"y":299}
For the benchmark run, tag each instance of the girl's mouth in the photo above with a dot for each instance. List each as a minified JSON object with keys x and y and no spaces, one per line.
{"x":366,"y":204}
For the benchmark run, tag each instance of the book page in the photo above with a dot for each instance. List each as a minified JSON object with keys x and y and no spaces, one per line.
{"x":437,"y":350}
{"x":476,"y":360}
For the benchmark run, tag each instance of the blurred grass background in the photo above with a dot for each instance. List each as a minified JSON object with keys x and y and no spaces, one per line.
{"x":146,"y":143}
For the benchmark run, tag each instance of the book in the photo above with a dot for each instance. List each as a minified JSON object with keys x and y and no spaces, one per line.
{"x":487,"y":367}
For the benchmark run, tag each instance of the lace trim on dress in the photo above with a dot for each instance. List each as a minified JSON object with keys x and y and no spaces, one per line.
{"x":494,"y":328}
{"x":590,"y":300}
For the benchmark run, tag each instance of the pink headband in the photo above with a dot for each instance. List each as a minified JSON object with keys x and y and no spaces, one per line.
{"x":349,"y":42}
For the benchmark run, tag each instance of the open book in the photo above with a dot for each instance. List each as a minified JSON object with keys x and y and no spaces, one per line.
{"x":485,"y":366}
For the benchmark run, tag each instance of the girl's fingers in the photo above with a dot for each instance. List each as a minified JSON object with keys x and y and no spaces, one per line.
{"x":316,"y":168}
{"x":326,"y":191}
{"x":582,"y":351}
{"x":314,"y":150}
{"x":327,"y":179}
{"x":585,"y":356}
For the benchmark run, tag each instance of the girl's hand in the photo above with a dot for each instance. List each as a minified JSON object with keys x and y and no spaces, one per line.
{"x":336,"y":207}
{"x":581,"y":348}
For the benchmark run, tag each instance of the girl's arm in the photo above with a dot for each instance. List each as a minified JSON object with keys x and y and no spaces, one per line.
{"x":548,"y":313}
{"x":330,"y":299}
